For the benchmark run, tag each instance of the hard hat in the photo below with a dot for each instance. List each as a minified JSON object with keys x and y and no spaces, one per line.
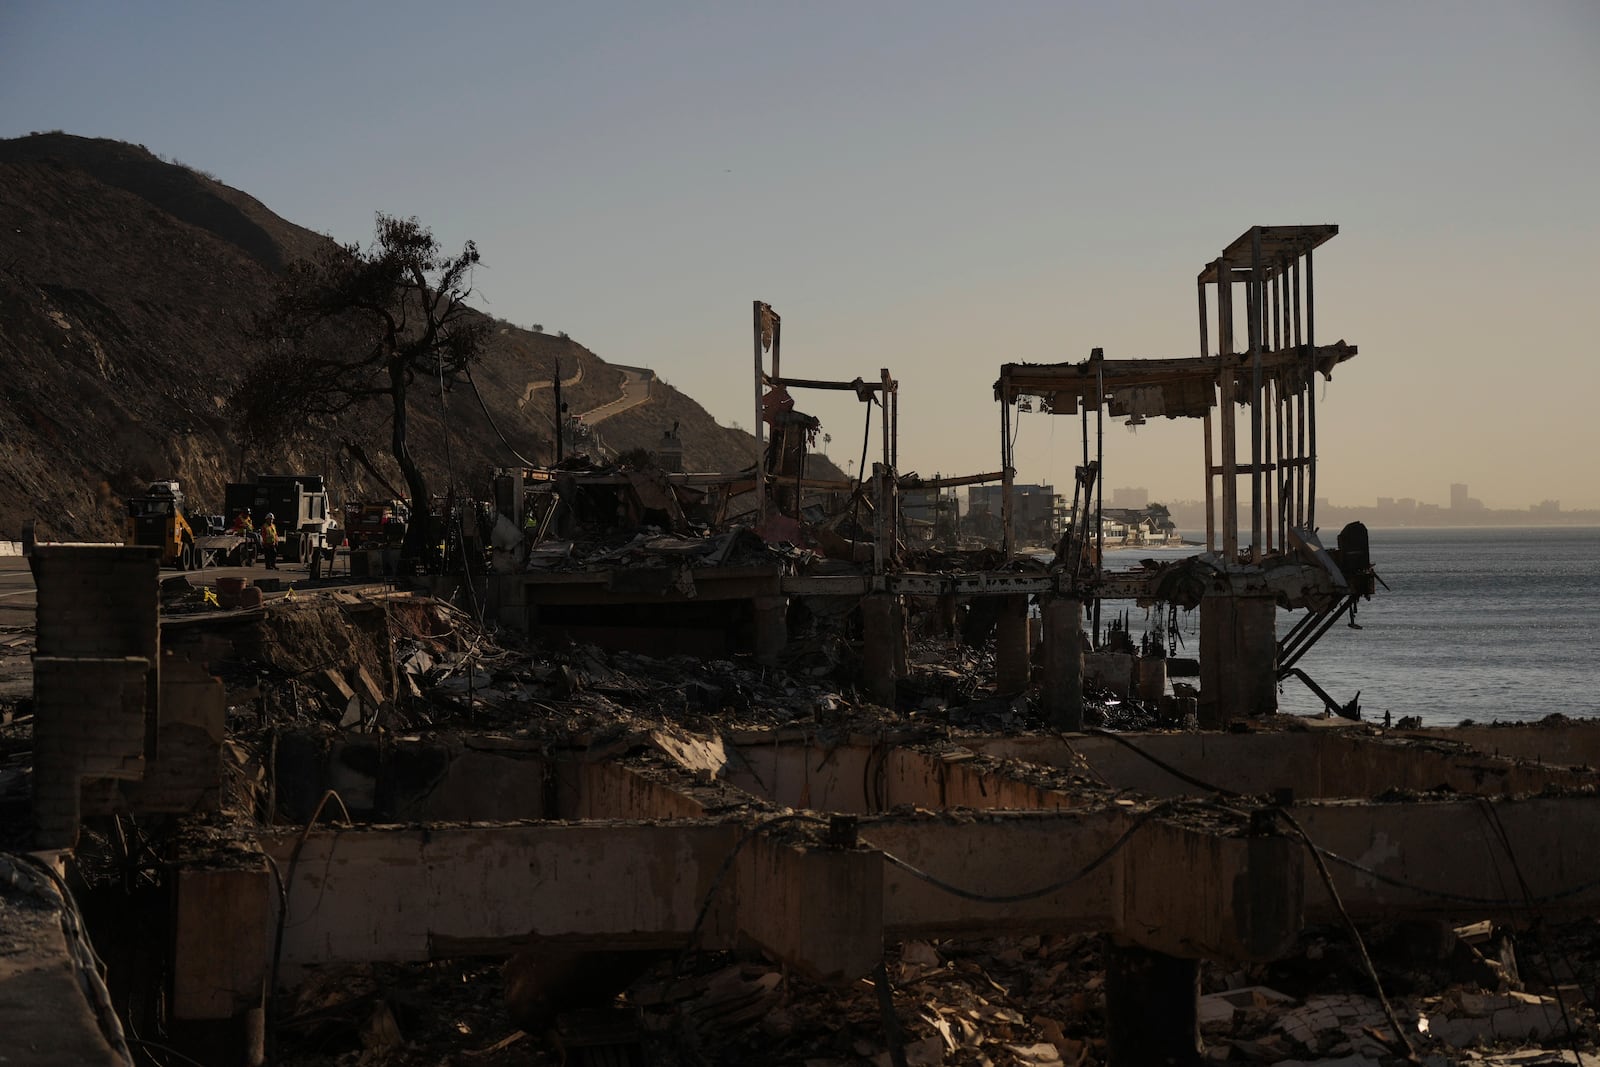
{"x":269,"y":514}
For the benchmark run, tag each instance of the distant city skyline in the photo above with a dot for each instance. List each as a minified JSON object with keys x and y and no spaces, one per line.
{"x":1458,"y":496}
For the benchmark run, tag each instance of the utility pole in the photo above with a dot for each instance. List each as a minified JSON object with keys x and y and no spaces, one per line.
{"x":560,"y":428}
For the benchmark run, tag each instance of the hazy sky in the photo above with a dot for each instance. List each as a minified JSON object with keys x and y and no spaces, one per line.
{"x":936,"y":188}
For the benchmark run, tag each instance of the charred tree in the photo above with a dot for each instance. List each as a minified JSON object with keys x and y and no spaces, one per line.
{"x":354,"y":327}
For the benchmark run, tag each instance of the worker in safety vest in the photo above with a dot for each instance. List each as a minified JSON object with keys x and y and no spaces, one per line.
{"x":269,"y":541}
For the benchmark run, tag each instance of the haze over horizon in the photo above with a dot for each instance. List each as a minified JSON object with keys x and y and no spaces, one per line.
{"x":937,"y":188}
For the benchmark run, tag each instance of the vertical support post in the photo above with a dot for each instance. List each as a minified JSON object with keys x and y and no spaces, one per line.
{"x":1211,"y":507}
{"x":1301,"y":385}
{"x":771,"y":627}
{"x":760,"y":427}
{"x":888,"y":502}
{"x":1238,"y":658}
{"x":1287,"y":459}
{"x":1257,"y":458}
{"x":561,"y":421}
{"x":880,"y":556}
{"x":777,"y":342}
{"x":894,"y":427}
{"x":1099,"y":485}
{"x":1269,"y":465}
{"x":1011,"y":652}
{"x":1275,"y":495}
{"x":888,"y":444}
{"x":1062,"y":691}
{"x":1227,"y":380}
{"x":1311,"y":397}
{"x":1080,"y":520}
{"x":882,"y":646}
{"x":1152,"y":679}
{"x":1007,"y":477}
{"x":1211,"y":478}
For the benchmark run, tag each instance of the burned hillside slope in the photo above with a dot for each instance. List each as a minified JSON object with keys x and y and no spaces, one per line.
{"x":128,"y":290}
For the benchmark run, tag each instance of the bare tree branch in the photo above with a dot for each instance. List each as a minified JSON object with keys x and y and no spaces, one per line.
{"x":351,"y":325}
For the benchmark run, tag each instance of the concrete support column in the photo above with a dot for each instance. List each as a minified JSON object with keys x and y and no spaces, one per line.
{"x":1152,"y":1008}
{"x":1152,"y":679}
{"x":883,"y":653}
{"x":89,"y":722}
{"x":1011,"y":646}
{"x":1238,"y":658}
{"x":771,"y":627}
{"x":1062,"y":691}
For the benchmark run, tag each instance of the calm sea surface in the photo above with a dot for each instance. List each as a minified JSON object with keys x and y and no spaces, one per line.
{"x":1479,"y":624}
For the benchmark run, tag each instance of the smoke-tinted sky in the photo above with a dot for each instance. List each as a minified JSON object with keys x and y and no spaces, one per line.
{"x":936,"y":188}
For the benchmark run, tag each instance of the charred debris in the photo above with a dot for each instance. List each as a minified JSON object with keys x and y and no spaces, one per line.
{"x":668,"y":767}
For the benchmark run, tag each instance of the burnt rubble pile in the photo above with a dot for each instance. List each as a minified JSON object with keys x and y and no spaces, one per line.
{"x":1030,"y":1001}
{"x":387,"y":664}
{"x":655,"y":766}
{"x":418,"y":713}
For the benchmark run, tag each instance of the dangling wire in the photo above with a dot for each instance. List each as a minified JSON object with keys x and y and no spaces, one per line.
{"x":520,"y":457}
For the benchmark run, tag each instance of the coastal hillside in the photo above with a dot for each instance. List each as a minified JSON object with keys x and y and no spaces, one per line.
{"x":127,"y":288}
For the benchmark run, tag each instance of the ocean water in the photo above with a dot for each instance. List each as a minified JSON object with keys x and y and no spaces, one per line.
{"x":1482,"y":624}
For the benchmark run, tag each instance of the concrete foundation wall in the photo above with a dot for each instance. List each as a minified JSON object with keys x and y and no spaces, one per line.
{"x":89,"y":722}
{"x":414,"y":894}
{"x":998,"y":855}
{"x":97,"y":600}
{"x":1454,"y":849}
{"x":96,"y":676}
{"x":860,"y":779}
{"x":1576,"y":744}
{"x":1317,"y":763}
{"x":819,"y":910}
{"x":1200,"y":891}
{"x":482,"y":779}
{"x":223,"y":925}
{"x":186,"y":773}
{"x":798,"y":775}
{"x":613,"y":791}
{"x":928,"y":781}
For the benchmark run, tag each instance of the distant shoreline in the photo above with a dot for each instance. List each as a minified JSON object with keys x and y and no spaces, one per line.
{"x":1334,"y":523}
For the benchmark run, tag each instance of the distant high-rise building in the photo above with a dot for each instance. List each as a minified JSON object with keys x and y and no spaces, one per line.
{"x":1458,"y":496}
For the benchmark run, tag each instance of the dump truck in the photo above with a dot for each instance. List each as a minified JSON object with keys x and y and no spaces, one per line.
{"x":375,"y":524}
{"x":299,"y":506}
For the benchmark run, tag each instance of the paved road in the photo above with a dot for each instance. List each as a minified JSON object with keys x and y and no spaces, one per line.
{"x":18,"y":603}
{"x":16,"y":628}
{"x":16,"y":593}
{"x":635,"y":391}
{"x":533,"y":387}
{"x":18,"y":599}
